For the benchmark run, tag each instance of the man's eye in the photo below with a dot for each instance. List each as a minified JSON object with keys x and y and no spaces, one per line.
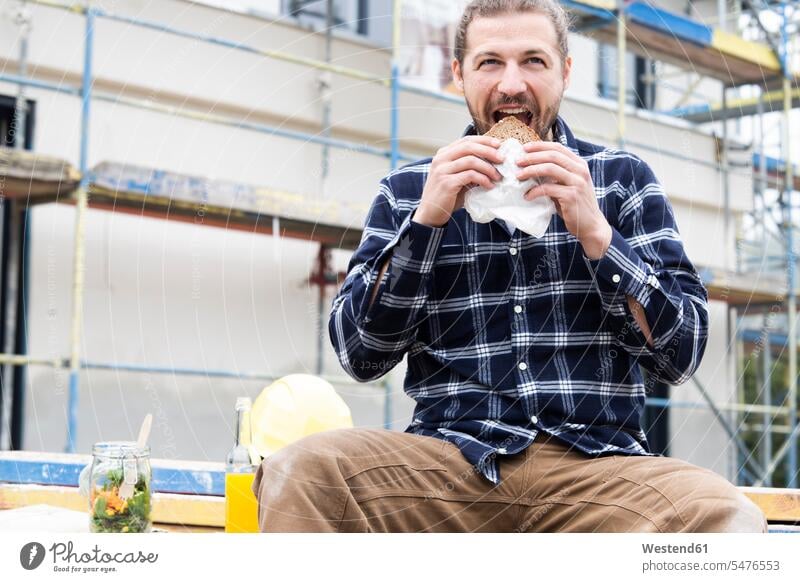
{"x":488,"y":62}
{"x":536,"y":60}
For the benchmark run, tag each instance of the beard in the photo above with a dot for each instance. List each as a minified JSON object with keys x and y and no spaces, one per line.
{"x":541,"y":121}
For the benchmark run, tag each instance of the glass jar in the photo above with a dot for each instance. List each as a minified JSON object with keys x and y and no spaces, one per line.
{"x":110,"y":510}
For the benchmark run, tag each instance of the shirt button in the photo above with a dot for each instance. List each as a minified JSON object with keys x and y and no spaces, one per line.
{"x":534,"y":419}
{"x":615,"y":278}
{"x":518,"y":309}
{"x":513,"y":251}
{"x":523,"y":366}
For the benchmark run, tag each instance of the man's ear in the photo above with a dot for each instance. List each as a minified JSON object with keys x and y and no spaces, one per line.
{"x":458,"y":79}
{"x":567,"y":70}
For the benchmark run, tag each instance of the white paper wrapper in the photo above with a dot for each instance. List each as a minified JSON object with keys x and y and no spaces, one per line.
{"x":506,"y":200}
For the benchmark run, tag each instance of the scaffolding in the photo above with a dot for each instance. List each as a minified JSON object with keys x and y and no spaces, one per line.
{"x":636,"y":27}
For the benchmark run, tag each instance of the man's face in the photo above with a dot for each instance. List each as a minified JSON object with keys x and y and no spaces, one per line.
{"x":512,"y":63}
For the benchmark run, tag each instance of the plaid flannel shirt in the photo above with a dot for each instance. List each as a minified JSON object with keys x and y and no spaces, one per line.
{"x":507,"y":334}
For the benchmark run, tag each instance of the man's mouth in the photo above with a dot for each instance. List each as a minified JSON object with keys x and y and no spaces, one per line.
{"x":521,"y":113}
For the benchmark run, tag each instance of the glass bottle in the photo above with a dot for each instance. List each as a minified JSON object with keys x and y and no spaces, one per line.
{"x":238,"y":460}
{"x":241,"y":506}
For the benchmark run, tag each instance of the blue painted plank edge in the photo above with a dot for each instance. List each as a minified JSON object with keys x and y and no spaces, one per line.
{"x":669,"y":23}
{"x":689,"y":110}
{"x":164,"y":479}
{"x":774,"y":165}
{"x":586,"y":9}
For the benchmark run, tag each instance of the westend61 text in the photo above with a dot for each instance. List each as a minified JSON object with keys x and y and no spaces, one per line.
{"x":675,"y":549}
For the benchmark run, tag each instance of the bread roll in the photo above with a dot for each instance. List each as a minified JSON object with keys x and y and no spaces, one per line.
{"x":509,"y":127}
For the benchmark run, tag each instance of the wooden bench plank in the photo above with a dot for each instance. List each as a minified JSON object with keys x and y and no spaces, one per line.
{"x":168,"y":508}
{"x":778,"y":505}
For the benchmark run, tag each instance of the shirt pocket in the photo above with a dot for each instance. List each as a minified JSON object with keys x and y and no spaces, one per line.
{"x":454,"y":279}
{"x":453,"y":273}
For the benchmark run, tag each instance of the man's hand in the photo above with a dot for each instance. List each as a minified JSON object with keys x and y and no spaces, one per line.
{"x":569,"y":184}
{"x":454,"y":169}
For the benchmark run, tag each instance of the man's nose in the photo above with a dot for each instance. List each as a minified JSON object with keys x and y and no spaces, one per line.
{"x":511,"y":83}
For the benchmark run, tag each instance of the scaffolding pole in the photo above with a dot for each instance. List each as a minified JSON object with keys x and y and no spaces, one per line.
{"x":621,"y":73}
{"x":79,"y":266}
{"x":394,"y":140}
{"x":791,"y":306}
{"x":761,"y":183}
{"x":325,"y":97}
{"x":766,"y":357}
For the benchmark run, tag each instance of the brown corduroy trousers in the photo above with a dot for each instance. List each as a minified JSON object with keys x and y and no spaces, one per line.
{"x":377,"y":480}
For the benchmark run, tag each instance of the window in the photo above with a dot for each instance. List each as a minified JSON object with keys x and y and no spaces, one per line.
{"x":349,"y":14}
{"x":17,"y":344}
{"x":368,"y":18}
{"x":371,"y":19}
{"x":640,"y":72}
{"x":7,"y":129}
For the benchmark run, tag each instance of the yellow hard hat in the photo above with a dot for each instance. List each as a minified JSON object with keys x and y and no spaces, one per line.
{"x":295,"y":406}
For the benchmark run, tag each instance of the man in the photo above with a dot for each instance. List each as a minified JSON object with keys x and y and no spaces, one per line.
{"x":523,"y":353}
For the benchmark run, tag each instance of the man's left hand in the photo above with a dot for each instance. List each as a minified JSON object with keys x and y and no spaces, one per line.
{"x":568,"y":183}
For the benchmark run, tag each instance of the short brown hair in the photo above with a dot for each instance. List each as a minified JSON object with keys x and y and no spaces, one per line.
{"x":550,"y":8}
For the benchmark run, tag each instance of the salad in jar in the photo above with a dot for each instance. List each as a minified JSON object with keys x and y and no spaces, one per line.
{"x":119,"y":493}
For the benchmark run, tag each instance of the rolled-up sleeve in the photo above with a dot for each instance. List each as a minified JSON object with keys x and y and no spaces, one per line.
{"x":647,"y":261}
{"x":370,"y":340}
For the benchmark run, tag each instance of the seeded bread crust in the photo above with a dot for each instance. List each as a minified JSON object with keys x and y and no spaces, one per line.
{"x":509,"y":127}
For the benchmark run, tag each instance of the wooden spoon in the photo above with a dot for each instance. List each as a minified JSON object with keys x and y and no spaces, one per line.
{"x":126,"y":490}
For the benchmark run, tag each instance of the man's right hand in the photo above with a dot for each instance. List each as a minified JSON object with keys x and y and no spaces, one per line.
{"x":454,"y":169}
